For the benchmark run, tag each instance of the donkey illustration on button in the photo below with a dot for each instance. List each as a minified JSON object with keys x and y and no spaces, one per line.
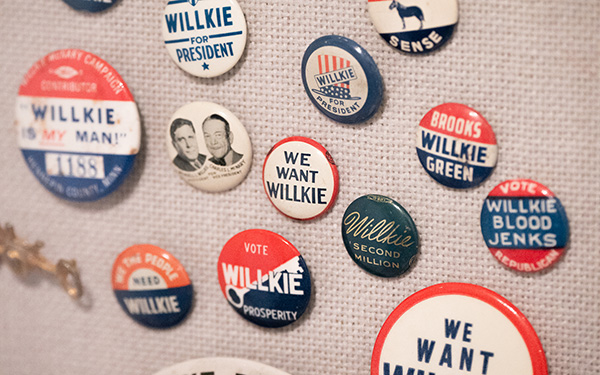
{"x":407,"y":12}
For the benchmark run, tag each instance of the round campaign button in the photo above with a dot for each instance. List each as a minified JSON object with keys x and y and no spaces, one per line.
{"x":220,"y":366}
{"x":524,"y":225}
{"x":342,"y":79}
{"x":414,"y":26}
{"x":208,"y":146}
{"x":91,"y":5}
{"x":205,"y":38}
{"x":77,"y":125}
{"x":380,"y":235}
{"x":300,"y":178}
{"x":264,"y":278}
{"x":152,"y":286}
{"x":457,"y":328}
{"x":456,"y":146}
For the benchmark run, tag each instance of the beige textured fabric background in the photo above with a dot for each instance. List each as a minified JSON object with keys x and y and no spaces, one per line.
{"x":532,"y":68}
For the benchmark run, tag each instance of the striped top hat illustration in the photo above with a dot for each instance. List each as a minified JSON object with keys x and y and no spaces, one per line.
{"x":335,"y":74}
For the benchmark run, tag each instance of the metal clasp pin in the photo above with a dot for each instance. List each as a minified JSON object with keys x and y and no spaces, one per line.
{"x":23,"y":257}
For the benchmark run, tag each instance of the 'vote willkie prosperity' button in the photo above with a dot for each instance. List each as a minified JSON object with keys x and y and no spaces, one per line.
{"x":220,"y":366}
{"x":152,"y":286}
{"x":380,"y":235}
{"x":524,"y":225}
{"x":342,"y":79}
{"x":414,"y":26}
{"x":456,"y":146}
{"x":300,"y":178}
{"x":91,"y":5}
{"x":264,"y":278}
{"x":457,"y":328}
{"x":205,"y":38}
{"x":78,"y":126}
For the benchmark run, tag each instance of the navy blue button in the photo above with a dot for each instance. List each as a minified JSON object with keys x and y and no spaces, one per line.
{"x":342,"y":79}
{"x":380,"y":235}
{"x":91,"y":6}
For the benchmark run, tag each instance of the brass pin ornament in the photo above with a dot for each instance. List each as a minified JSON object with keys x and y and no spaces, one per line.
{"x":24,"y":257}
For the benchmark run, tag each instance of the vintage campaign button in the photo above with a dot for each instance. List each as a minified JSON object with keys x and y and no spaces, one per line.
{"x":524,"y":225}
{"x":380,"y":235}
{"x":264,"y":278}
{"x":77,"y":125}
{"x":300,"y":178}
{"x":220,"y":366}
{"x":457,"y":328}
{"x":414,"y":26}
{"x":152,"y":286}
{"x":342,"y":79}
{"x":456,"y":146}
{"x":208,"y":146}
{"x":91,"y":5}
{"x":205,"y":38}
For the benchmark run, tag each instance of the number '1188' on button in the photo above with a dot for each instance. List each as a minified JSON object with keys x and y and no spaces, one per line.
{"x":75,"y":165}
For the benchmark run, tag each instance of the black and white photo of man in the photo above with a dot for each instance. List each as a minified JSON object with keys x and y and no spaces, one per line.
{"x":183,"y":137}
{"x":218,"y":138}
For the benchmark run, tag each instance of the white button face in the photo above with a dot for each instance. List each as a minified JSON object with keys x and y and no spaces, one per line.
{"x":208,"y":146}
{"x":205,"y":38}
{"x":221,"y":366}
{"x":300,"y":178}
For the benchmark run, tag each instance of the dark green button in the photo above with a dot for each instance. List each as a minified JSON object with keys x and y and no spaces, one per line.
{"x":380,"y":235}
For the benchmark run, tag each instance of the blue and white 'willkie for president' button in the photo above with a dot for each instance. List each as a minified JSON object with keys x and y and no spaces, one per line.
{"x":342,"y":79}
{"x":91,"y":5}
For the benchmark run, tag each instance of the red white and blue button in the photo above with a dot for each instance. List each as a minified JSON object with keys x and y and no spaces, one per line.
{"x":77,"y":125}
{"x":152,"y":286}
{"x":341,"y":79}
{"x":456,"y":146}
{"x":524,"y":225}
{"x":264,"y":278}
{"x":457,"y":328}
{"x":414,"y":26}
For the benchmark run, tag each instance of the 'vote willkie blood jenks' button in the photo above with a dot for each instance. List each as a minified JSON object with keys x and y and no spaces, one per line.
{"x":208,"y":146}
{"x":205,"y":38}
{"x":341,"y":79}
{"x":264,"y":278}
{"x":77,"y":125}
{"x":220,"y":366}
{"x":456,"y":146}
{"x":414,"y":26}
{"x":380,"y":235}
{"x":300,"y":178}
{"x":91,"y":5}
{"x":152,"y":286}
{"x":524,"y":225}
{"x":457,"y":328}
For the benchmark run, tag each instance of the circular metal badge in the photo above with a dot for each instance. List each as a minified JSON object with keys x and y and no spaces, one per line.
{"x":300,"y":178}
{"x":77,"y":125}
{"x":91,"y":5}
{"x":414,"y":26}
{"x":457,"y":328}
{"x":456,"y":146}
{"x":208,"y":146}
{"x":524,"y":225}
{"x":342,"y":79}
{"x":220,"y":366}
{"x":152,"y":286}
{"x":380,"y":235}
{"x":264,"y":278}
{"x":205,"y":38}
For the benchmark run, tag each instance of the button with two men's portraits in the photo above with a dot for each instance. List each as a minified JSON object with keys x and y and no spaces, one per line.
{"x":208,"y":146}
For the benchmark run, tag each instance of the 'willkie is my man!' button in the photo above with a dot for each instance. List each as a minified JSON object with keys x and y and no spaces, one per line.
{"x":152,"y":286}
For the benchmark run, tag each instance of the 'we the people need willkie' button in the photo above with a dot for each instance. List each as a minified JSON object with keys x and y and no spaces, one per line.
{"x":152,"y":286}
{"x":264,"y":278}
{"x":205,"y":38}
{"x":300,"y":178}
{"x":380,"y":235}
{"x":77,"y":125}
{"x":456,"y":146}
{"x":524,"y":225}
{"x":457,"y":328}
